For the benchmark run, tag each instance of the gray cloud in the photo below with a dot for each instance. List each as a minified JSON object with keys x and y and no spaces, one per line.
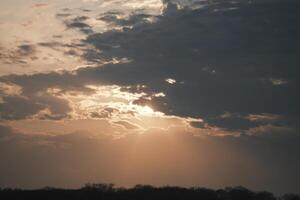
{"x":79,"y":23}
{"x":223,"y":53}
{"x":26,"y":50}
{"x":21,"y":54}
{"x":15,"y":108}
{"x":222,"y":57}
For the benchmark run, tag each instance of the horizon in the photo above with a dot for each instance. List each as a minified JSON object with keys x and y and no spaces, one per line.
{"x":112,"y":188}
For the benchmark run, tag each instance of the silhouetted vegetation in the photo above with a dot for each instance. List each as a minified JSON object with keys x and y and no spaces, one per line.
{"x":140,"y":192}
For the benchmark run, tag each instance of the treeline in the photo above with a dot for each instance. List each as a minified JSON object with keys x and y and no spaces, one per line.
{"x":139,"y":192}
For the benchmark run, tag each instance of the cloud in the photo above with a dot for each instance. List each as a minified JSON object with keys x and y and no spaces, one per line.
{"x":232,"y":122}
{"x":38,"y":5}
{"x":25,"y":50}
{"x":21,"y":54}
{"x":221,"y":55}
{"x":222,"y":60}
{"x":10,"y":89}
{"x":30,"y":99}
{"x":14,"y":108}
{"x":127,"y":125}
{"x":79,"y":23}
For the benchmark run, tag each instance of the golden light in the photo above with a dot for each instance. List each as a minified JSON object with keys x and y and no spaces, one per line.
{"x":171,"y":81}
{"x":146,"y":110}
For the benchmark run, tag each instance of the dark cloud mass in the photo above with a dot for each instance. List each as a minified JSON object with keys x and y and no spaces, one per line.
{"x":226,"y":57}
{"x":225,"y":54}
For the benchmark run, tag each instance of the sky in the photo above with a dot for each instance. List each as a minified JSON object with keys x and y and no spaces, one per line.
{"x":161,"y":92}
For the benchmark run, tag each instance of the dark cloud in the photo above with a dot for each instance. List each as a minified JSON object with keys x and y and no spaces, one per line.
{"x":16,"y":107}
{"x":21,"y":54}
{"x":34,"y":96}
{"x":79,"y":23}
{"x":222,"y":56}
{"x":22,"y":107}
{"x":232,"y":122}
{"x":51,"y":44}
{"x":223,"y":53}
{"x":26,"y":50}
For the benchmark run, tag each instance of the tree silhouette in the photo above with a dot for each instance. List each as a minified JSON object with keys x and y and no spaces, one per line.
{"x":92,"y":191}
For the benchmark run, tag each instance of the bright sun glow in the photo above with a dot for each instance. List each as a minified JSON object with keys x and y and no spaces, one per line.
{"x":146,"y":110}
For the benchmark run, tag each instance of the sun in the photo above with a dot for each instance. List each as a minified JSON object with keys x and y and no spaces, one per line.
{"x":146,"y":110}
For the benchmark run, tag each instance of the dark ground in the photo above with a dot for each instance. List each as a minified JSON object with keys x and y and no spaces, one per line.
{"x":140,"y":192}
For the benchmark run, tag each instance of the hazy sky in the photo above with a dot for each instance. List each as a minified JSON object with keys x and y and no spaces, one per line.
{"x":162,"y":92}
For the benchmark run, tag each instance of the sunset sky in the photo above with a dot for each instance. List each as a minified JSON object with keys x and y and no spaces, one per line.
{"x":161,"y":92}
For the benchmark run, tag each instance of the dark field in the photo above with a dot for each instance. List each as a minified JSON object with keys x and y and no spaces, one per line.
{"x":141,"y":192}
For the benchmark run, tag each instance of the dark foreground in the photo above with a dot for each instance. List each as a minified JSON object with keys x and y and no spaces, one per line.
{"x":140,"y":192}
